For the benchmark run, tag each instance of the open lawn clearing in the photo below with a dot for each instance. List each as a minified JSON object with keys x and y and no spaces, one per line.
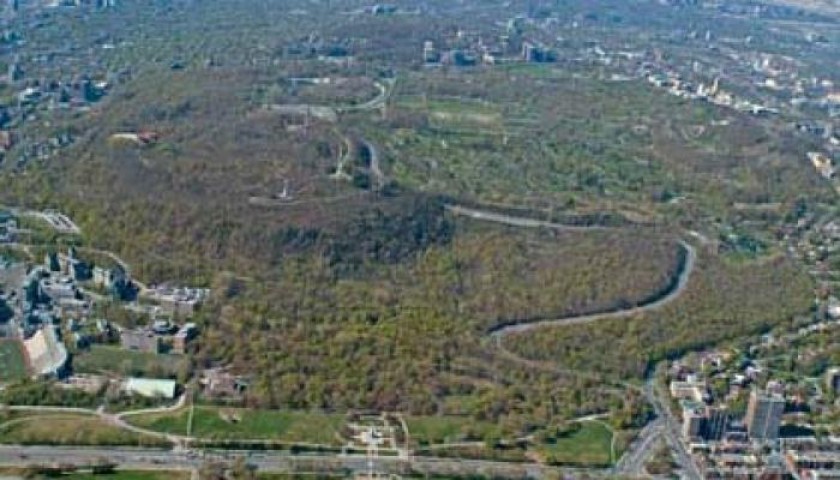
{"x":438,"y":430}
{"x":12,"y":361}
{"x":244,"y":424}
{"x":69,"y":430}
{"x":112,"y":359}
{"x":588,"y":446}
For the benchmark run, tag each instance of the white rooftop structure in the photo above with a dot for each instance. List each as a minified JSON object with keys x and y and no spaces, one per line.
{"x":150,"y":387}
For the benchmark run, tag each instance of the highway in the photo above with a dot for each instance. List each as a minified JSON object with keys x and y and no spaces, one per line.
{"x":268,"y":461}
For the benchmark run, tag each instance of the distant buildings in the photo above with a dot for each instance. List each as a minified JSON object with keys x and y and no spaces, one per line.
{"x":717,"y":423}
{"x":704,"y":423}
{"x":183,"y":337}
{"x":68,"y":264}
{"x":154,"y":339}
{"x":178,"y":301}
{"x":57,"y":290}
{"x":813,"y":459}
{"x":8,"y":227}
{"x":430,"y":55}
{"x":764,"y":416}
{"x":140,"y":341}
{"x":832,"y":380}
{"x":222,"y":385}
{"x":690,"y":389}
{"x":116,"y":282}
{"x":693,"y":419}
{"x":532,"y":52}
{"x":822,"y":163}
{"x":383,"y":9}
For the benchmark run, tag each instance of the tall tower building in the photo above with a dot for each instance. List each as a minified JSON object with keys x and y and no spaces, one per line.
{"x":717,"y":421}
{"x":764,"y":415}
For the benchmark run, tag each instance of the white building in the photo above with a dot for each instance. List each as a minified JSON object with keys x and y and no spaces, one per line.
{"x":150,"y":387}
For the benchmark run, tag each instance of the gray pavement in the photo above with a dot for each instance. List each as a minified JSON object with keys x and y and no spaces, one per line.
{"x":269,"y":461}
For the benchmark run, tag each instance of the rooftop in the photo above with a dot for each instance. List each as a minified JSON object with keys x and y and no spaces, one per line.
{"x":150,"y":387}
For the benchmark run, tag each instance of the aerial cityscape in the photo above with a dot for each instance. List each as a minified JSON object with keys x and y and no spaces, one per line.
{"x":437,"y":239}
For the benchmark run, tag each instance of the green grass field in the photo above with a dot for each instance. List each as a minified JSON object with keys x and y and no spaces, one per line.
{"x":12,"y":361}
{"x":68,"y":430}
{"x":240,"y":424}
{"x":130,"y":475}
{"x":436,"y":430}
{"x":588,"y":446}
{"x":112,"y":359}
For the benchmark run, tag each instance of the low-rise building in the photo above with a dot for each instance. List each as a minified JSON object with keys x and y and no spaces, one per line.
{"x":220,"y":384}
{"x":813,"y":459}
{"x":183,"y":337}
{"x":179,"y":301}
{"x":59,"y":289}
{"x":693,"y":390}
{"x":140,"y":341}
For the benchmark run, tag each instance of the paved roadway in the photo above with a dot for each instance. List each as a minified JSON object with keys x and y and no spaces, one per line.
{"x":156,"y":459}
{"x":671,"y":429}
{"x":375,"y":167}
{"x":632,"y":463}
{"x":687,"y":268}
{"x":520,"y":221}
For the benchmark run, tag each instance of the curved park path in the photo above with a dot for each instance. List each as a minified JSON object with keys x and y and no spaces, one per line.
{"x":672,"y":294}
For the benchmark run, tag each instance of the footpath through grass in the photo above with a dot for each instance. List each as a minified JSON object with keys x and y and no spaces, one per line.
{"x":69,"y":429}
{"x":219,"y":423}
{"x":439,"y":430}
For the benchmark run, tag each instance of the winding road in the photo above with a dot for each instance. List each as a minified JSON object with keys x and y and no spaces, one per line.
{"x":673,"y":293}
{"x":632,"y":463}
{"x":633,"y":460}
{"x":523,"y":222}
